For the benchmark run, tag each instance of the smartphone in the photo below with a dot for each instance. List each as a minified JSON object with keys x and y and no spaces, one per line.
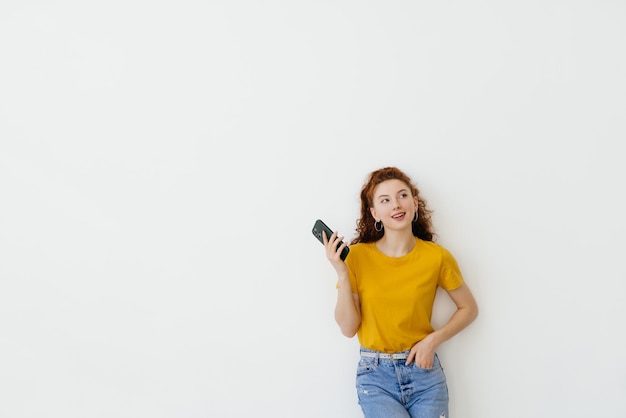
{"x":320,"y":226}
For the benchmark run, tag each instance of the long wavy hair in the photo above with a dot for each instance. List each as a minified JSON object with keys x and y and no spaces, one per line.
{"x":366,"y":232}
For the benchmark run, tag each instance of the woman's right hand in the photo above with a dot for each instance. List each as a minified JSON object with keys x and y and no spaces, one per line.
{"x":333,"y":253}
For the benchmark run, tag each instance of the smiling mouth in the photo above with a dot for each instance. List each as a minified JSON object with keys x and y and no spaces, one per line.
{"x":398,"y":216}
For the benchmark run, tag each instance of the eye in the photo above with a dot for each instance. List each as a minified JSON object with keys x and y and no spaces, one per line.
{"x":385,"y":200}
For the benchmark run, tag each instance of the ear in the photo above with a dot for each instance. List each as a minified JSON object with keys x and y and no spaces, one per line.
{"x":416,"y":202}
{"x":373,"y":212}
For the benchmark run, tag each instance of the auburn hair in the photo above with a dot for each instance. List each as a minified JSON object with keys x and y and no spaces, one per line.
{"x":366,"y":232}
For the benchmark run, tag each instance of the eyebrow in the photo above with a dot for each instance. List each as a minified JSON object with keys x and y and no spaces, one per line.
{"x":386,"y":195}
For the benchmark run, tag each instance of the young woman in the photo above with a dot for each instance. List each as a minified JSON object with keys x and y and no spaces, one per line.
{"x":386,"y":291}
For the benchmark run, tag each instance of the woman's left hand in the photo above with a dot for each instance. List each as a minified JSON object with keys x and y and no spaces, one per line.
{"x":423,"y":354}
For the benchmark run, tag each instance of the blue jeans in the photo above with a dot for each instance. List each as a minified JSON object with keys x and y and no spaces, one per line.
{"x":388,"y":388}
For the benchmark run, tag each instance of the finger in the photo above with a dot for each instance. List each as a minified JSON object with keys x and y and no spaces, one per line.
{"x":328,"y":240}
{"x":410,"y":358}
{"x":334,"y":241}
{"x":338,"y":239}
{"x":340,"y":249}
{"x":331,"y":246}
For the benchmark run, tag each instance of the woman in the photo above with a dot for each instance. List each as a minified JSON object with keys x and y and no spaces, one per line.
{"x":386,"y":291}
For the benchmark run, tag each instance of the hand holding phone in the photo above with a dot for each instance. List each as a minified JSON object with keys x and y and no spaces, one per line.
{"x":320,"y":227}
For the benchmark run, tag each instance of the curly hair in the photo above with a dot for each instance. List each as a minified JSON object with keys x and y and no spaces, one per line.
{"x":366,"y":232}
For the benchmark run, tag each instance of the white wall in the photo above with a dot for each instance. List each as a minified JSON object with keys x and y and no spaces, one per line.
{"x":162,"y":164}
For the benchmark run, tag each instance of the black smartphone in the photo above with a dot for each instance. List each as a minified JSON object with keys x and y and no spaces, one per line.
{"x":320,"y":226}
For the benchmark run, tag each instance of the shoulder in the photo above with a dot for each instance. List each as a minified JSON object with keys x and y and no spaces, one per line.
{"x":359,"y":253}
{"x":361,"y":248}
{"x":430,"y":246}
{"x":434,"y":249}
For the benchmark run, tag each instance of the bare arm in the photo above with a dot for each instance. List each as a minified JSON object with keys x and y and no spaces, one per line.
{"x":348,"y":307}
{"x":467,"y":310}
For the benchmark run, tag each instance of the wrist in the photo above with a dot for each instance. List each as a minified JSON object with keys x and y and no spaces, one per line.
{"x":343,"y":281}
{"x":431,"y":340}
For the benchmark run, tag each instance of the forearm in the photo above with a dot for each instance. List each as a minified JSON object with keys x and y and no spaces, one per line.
{"x":347,"y":313}
{"x":457,"y":322}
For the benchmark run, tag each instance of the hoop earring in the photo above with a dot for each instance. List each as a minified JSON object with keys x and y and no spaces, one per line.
{"x":415,"y":217}
{"x":378,"y":229}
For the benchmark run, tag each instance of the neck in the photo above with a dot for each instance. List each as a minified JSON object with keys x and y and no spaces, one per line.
{"x":396,"y":243}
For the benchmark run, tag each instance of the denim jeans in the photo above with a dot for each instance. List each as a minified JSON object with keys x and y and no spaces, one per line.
{"x":388,"y":388}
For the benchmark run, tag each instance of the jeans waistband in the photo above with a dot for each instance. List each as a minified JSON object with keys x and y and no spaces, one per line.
{"x":393,"y":356}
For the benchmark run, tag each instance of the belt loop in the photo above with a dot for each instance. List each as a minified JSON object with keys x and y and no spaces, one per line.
{"x":377,"y":357}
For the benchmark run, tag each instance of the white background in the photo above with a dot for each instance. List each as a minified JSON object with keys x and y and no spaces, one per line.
{"x":162,"y":164}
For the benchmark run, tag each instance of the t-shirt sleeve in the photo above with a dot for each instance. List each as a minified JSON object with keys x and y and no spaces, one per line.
{"x":450,"y":276}
{"x":351,"y":273}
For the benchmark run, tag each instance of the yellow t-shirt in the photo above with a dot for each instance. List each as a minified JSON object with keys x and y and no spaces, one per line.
{"x":397,"y":294}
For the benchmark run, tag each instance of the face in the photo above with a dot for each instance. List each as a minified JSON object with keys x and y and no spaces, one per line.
{"x":394,"y":204}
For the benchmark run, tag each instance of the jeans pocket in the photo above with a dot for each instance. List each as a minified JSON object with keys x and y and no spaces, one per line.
{"x":424,"y":369}
{"x":365,"y":367}
{"x":436,"y":365}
